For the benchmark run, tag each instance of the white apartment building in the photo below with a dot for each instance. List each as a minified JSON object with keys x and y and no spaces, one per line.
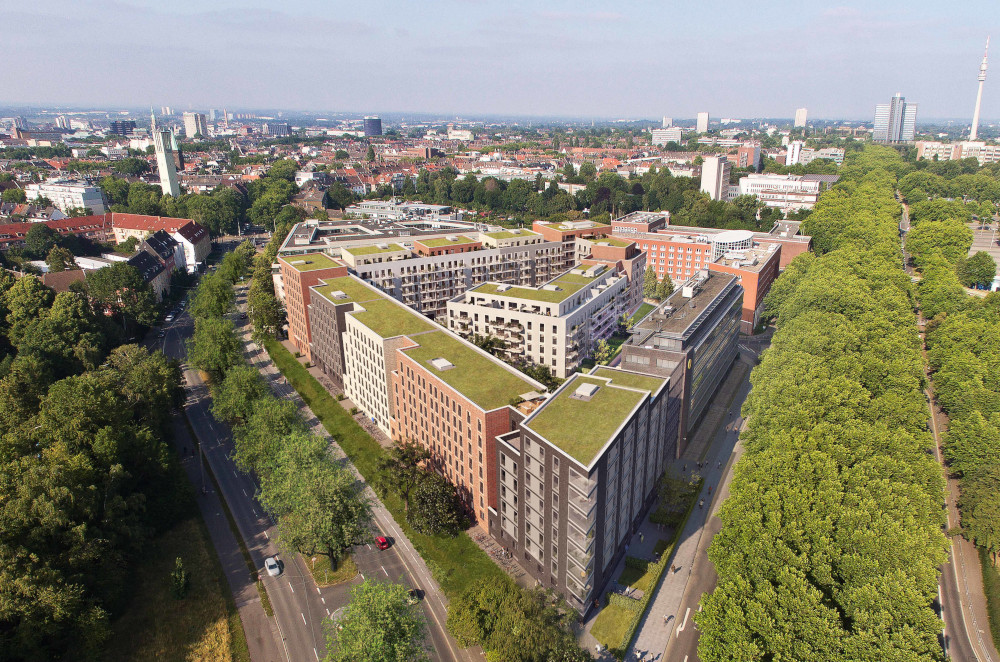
{"x":556,"y":325}
{"x":800,"y":117}
{"x":194,"y":123}
{"x":976,"y":149}
{"x":66,"y":194}
{"x":664,"y":136}
{"x":789,"y":192}
{"x":715,"y":177}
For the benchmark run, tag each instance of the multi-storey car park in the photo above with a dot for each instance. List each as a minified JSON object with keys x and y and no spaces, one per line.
{"x":562,"y":480}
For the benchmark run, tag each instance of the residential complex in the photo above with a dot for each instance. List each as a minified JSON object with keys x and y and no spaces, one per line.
{"x":555,"y":325}
{"x":800,"y":117}
{"x":68,"y":194}
{"x":715,"y":177}
{"x":979,"y":150}
{"x":195,"y":124}
{"x":666,"y":135}
{"x":701,"y":124}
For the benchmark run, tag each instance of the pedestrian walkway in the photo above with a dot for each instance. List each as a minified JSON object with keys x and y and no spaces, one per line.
{"x":709,"y":455}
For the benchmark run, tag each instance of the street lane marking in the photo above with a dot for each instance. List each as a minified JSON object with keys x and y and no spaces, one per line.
{"x":318,"y":591}
{"x":291,"y":587}
{"x":327,"y":611}
{"x":384,"y":570}
{"x":684,"y":624}
{"x":323,"y":600}
{"x":303,"y":618}
{"x":267,"y":536}
{"x":314,"y":650}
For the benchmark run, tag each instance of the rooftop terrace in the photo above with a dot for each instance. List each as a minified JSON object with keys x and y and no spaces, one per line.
{"x":630,"y":379}
{"x":507,"y":234}
{"x":358,"y":251}
{"x":678,"y":313}
{"x":483,"y":380}
{"x":581,"y":428}
{"x":311,"y":262}
{"x":445,"y":241}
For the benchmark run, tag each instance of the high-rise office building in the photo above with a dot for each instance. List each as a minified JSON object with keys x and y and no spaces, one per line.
{"x":122,"y":127}
{"x":62,"y":122}
{"x":165,"y":164}
{"x":896,"y":121}
{"x":373,"y":126}
{"x":194,"y":124}
{"x":702,"y":125}
{"x":715,"y":177}
{"x":800,"y":117}
{"x":667,"y":123}
{"x":979,"y":96}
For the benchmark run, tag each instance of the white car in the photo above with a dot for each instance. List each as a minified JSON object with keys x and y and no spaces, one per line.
{"x":169,"y":318}
{"x":272,"y":566}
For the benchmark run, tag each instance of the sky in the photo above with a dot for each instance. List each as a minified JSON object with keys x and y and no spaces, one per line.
{"x":623,"y":59}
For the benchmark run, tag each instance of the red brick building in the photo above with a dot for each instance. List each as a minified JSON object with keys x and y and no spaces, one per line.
{"x":298,"y":274}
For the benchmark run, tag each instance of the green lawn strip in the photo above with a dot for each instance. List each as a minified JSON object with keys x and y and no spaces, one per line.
{"x":611,"y":624}
{"x":991,"y":587}
{"x":455,"y":562}
{"x":644,"y":310}
{"x":325,"y":575}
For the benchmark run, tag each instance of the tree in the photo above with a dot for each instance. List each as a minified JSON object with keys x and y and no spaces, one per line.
{"x":235,"y":398}
{"x":266,"y":313}
{"x":665,"y":288}
{"x":320,"y":506}
{"x":39,"y":240}
{"x":214,"y":346}
{"x":588,"y":171}
{"x":120,"y":291}
{"x":26,"y":301}
{"x":436,"y":508}
{"x":402,"y":468}
{"x":128,"y":246}
{"x":980,"y":269}
{"x":60,"y":259}
{"x":256,"y":441}
{"x":649,"y":284}
{"x":283,"y":169}
{"x":370,"y":154}
{"x":180,"y":581}
{"x":14,"y":195}
{"x":378,"y":625}
{"x":131,"y":166}
{"x":602,"y":352}
{"x":213,"y":298}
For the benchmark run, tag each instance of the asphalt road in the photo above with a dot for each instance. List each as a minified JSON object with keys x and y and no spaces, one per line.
{"x":300,"y":608}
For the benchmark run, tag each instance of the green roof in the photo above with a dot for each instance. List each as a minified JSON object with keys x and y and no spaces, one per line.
{"x":352,"y":287}
{"x":631,"y":379}
{"x":582,"y":428}
{"x":371,"y":250}
{"x":444,"y":241}
{"x":482,"y":379}
{"x":311,"y":262}
{"x":569,"y":284}
{"x":613,"y":242}
{"x":506,"y":234}
{"x":389,"y":319}
{"x":593,"y":225}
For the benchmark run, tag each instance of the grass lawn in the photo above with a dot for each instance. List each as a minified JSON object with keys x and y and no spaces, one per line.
{"x":325,"y":575}
{"x":644,"y":310}
{"x":991,"y":587}
{"x":642,"y":580}
{"x":455,"y":562}
{"x":203,"y":626}
{"x":611,"y":626}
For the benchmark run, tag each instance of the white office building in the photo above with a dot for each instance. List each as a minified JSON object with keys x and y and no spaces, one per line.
{"x":788,"y":192}
{"x":664,"y":136}
{"x":67,"y":194}
{"x":895,"y":122}
{"x":800,"y":117}
{"x":194,"y":123}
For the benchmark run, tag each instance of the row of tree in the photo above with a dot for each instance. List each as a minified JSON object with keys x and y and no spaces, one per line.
{"x":832,"y":533}
{"x":86,"y":476}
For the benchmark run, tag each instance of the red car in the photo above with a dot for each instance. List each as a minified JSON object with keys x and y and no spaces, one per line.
{"x":381,"y":543}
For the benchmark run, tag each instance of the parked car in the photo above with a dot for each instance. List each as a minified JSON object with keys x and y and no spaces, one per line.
{"x":169,"y":318}
{"x":272,"y":566}
{"x":382,"y":543}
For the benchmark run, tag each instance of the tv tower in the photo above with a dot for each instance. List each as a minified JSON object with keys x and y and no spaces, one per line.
{"x":979,"y":96}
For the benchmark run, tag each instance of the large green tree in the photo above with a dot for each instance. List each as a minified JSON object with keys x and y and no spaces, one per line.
{"x":214,"y":347}
{"x":378,"y":625}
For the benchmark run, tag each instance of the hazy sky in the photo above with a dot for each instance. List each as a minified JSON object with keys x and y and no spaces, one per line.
{"x":572,"y":57}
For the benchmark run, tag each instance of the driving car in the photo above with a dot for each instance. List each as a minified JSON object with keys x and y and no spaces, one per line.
{"x":272,"y":566}
{"x":382,"y":543}
{"x":168,"y":318}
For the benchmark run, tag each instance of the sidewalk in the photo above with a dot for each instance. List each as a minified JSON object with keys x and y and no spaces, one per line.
{"x":713,"y":445}
{"x":414,"y":563}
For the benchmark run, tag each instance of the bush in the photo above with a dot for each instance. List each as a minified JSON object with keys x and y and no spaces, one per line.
{"x":354,"y":411}
{"x":179,"y":580}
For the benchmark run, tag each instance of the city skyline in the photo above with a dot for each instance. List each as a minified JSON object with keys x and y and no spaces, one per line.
{"x":312,"y":57}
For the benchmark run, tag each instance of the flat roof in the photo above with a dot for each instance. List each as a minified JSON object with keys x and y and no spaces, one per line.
{"x":444,"y":241}
{"x":355,"y":289}
{"x":631,"y":379}
{"x":568,"y":283}
{"x":371,"y":250}
{"x":581,"y":428}
{"x":621,"y":243}
{"x":389,"y":319}
{"x":683,"y":314}
{"x":483,"y":380}
{"x":574,"y":225}
{"x":310,"y":261}
{"x":507,"y":234}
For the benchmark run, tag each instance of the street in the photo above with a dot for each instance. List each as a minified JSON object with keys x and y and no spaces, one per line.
{"x":300,"y":608}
